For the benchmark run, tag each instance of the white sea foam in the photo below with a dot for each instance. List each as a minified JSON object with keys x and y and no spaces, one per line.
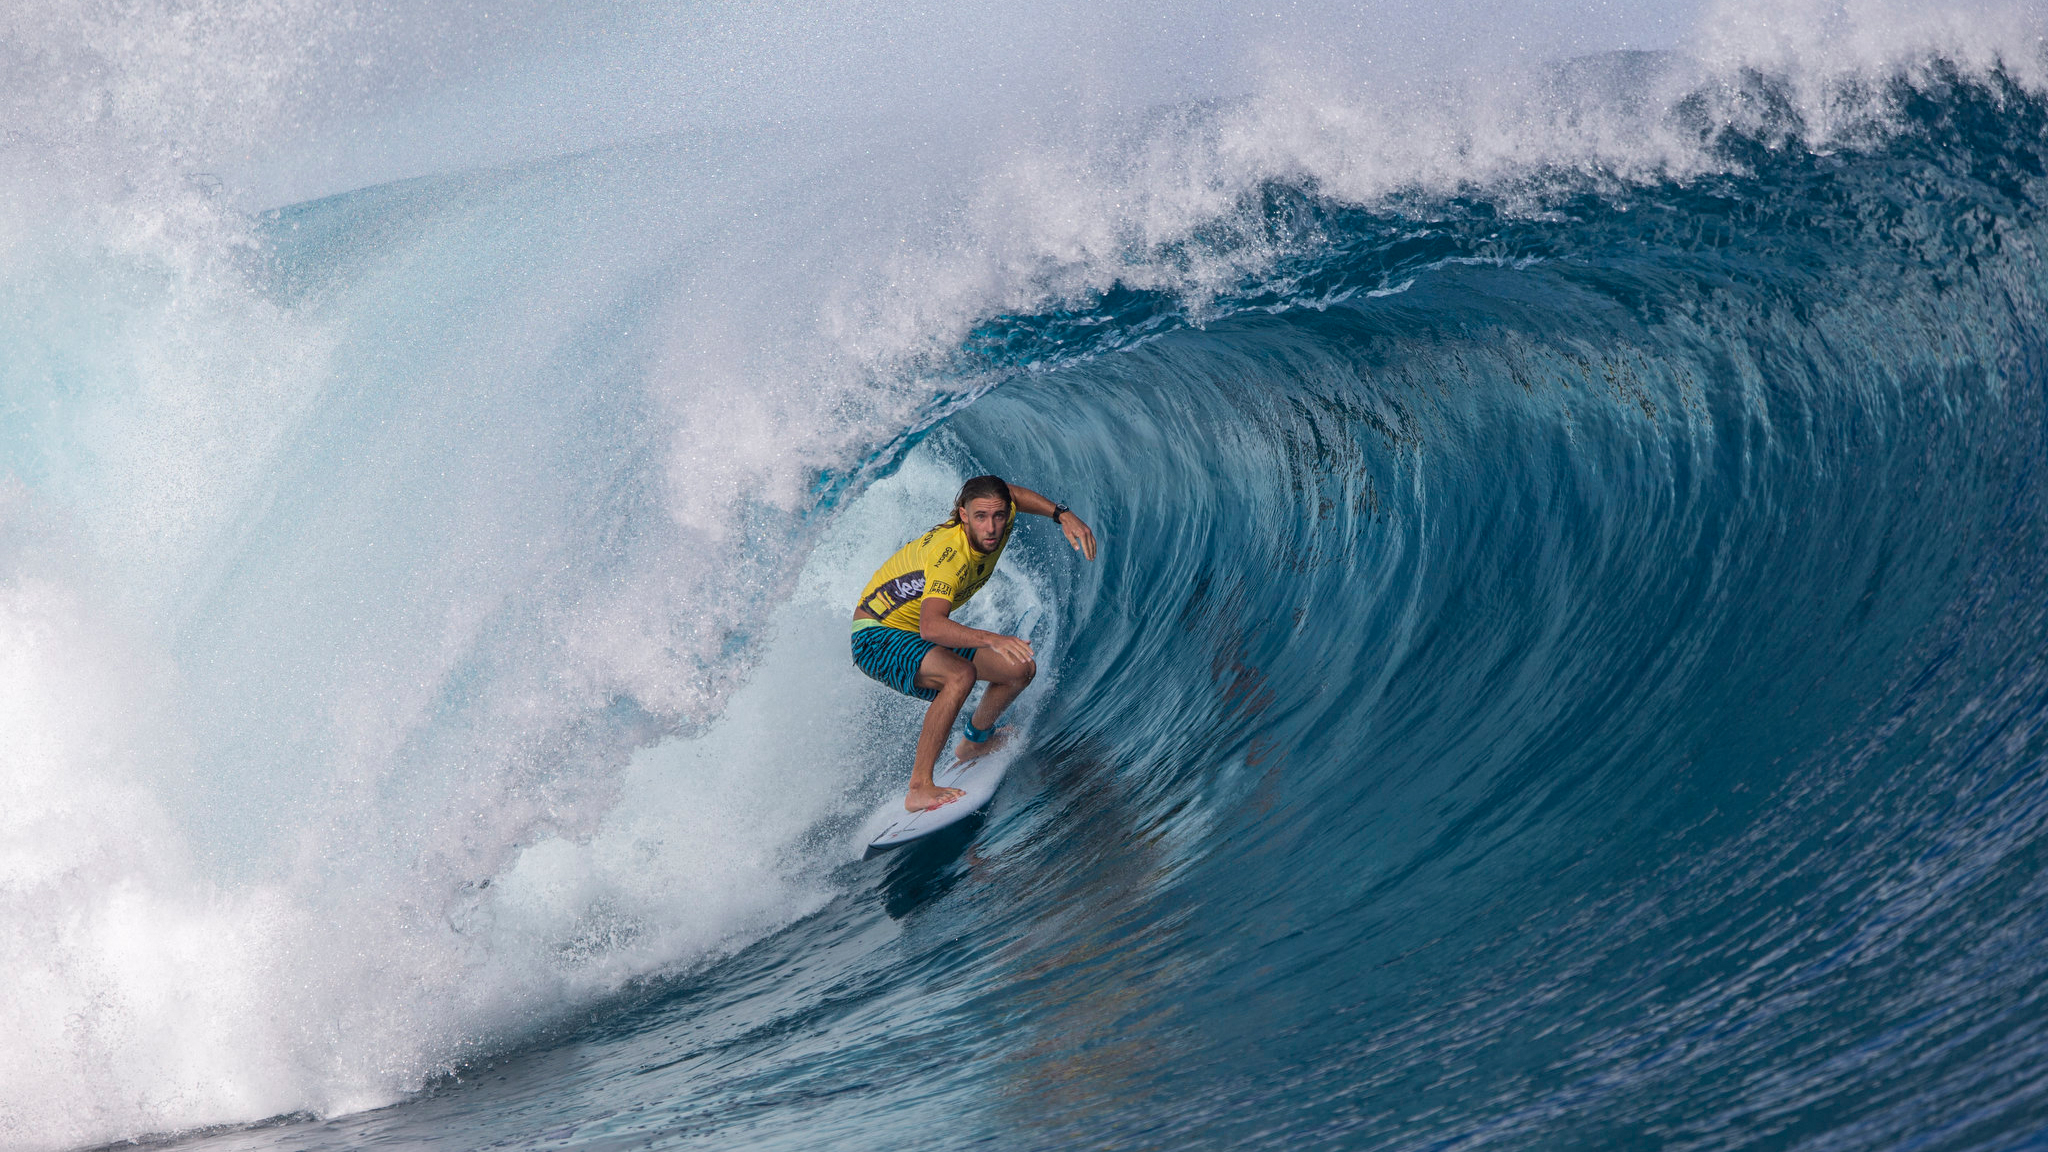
{"x":483,"y":560}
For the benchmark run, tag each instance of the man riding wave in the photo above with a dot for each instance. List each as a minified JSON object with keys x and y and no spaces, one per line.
{"x":904,"y":635}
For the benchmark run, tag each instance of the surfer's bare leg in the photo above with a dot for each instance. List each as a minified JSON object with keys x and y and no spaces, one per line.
{"x":1006,"y":678}
{"x":943,"y":670}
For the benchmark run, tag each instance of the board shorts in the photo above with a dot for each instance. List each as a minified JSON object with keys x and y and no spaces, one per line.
{"x":891,"y":656}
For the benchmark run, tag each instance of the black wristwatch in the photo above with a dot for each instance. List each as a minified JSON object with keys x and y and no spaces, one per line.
{"x":1059,"y":510}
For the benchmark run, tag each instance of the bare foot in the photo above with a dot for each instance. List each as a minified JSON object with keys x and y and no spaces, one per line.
{"x":968,"y":750}
{"x":930,"y":796}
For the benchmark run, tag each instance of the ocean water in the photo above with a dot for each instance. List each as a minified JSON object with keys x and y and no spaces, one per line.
{"x":1567,"y":664}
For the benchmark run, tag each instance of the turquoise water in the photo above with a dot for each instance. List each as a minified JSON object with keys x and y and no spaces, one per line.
{"x":1565,"y":666}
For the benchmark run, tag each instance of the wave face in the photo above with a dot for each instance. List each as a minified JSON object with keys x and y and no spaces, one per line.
{"x":1565,"y":664}
{"x":1593,"y":694}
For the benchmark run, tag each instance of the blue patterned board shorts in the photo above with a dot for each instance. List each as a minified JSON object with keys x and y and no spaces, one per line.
{"x":891,"y":656}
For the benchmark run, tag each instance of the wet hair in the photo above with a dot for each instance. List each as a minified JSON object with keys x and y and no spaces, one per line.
{"x":976,"y":489}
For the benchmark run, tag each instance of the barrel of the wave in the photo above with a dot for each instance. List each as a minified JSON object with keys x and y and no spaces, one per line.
{"x":905,"y":637}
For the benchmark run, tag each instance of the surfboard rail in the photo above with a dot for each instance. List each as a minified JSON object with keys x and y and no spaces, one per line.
{"x":978,"y":778}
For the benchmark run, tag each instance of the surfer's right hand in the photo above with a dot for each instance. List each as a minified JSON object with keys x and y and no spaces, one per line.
{"x":1013,"y":648}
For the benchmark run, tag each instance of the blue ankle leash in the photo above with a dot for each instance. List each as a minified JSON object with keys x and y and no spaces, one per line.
{"x":980,"y":735}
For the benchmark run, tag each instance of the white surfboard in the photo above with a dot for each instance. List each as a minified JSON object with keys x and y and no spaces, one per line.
{"x":978,"y":778}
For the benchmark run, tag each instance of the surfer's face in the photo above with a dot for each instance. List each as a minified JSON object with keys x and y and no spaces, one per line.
{"x":984,"y":520}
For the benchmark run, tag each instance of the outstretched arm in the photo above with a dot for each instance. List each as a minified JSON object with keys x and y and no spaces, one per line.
{"x":1077,"y":531}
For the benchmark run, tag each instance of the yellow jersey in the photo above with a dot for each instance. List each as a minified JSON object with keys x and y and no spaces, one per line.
{"x":939,"y":563}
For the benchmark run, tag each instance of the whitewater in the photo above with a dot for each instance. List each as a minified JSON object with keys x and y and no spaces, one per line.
{"x":1567,"y":665}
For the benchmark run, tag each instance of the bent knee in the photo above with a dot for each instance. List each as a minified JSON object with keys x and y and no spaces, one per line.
{"x":957,"y":681}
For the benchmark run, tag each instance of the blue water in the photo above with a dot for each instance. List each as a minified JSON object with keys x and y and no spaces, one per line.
{"x":1567,"y":667}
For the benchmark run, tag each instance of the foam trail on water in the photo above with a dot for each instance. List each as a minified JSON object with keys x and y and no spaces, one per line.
{"x":718,"y":838}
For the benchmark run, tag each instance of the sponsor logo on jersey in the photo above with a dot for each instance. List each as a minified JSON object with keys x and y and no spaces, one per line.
{"x":894,"y":594}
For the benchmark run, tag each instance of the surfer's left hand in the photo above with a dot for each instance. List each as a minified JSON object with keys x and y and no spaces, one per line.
{"x":1078,"y":534}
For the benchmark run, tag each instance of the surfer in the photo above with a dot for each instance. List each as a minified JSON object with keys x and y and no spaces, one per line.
{"x":904,"y":635}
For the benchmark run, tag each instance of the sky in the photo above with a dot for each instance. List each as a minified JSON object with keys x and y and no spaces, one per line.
{"x":404,"y":91}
